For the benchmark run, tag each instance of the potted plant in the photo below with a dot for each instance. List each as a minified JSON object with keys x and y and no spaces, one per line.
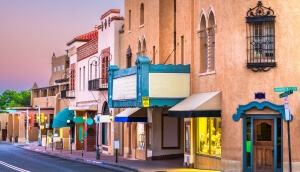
{"x":16,"y":139}
{"x":10,"y":138}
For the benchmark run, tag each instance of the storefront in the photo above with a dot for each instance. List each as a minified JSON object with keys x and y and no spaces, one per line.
{"x":147,"y":91}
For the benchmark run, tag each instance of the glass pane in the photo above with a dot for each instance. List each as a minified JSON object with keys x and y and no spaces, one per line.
{"x":248,"y":142}
{"x":264,"y":132}
{"x":208,"y":136}
{"x":279,"y":142}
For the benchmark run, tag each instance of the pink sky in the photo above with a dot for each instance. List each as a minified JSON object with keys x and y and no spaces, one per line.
{"x":32,"y":30}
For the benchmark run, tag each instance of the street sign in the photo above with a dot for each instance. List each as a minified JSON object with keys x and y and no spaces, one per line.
{"x":98,"y":119}
{"x":283,"y":89}
{"x":286,"y":93}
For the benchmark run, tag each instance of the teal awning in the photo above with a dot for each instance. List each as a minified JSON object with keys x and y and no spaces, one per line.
{"x":60,"y":120}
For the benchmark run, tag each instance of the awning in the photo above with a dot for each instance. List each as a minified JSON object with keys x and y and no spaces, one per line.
{"x":198,"y":105}
{"x":132,"y":115}
{"x":60,"y":120}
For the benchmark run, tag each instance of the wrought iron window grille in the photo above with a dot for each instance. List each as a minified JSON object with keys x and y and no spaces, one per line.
{"x":260,"y":38}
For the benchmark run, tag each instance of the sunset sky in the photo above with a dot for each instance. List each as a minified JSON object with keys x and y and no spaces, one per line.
{"x":32,"y":30}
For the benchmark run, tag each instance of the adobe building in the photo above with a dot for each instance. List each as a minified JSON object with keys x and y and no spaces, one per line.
{"x":242,"y":56}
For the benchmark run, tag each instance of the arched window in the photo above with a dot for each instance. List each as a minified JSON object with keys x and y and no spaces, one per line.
{"x":139,"y":47}
{"x":203,"y":45}
{"x":211,"y":42}
{"x":142,"y":15}
{"x":144,"y":47}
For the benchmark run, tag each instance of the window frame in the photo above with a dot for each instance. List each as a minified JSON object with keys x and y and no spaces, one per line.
{"x":260,"y":32}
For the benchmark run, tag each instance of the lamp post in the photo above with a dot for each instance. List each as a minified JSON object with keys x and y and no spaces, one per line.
{"x":39,"y":125}
{"x":27,"y":142}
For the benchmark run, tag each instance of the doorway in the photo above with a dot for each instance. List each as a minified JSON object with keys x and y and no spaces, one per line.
{"x":262,"y":144}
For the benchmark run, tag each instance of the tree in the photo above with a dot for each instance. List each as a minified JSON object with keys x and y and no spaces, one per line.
{"x":11,"y":98}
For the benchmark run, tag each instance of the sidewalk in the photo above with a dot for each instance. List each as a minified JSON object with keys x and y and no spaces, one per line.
{"x":109,"y":161}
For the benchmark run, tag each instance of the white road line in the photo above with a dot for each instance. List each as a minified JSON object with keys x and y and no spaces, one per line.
{"x":13,"y":167}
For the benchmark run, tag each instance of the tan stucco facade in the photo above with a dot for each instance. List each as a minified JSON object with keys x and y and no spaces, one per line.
{"x":230,"y":74}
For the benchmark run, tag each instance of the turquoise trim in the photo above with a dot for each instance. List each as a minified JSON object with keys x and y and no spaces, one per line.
{"x":160,"y":68}
{"x":165,"y":102}
{"x":125,"y":72}
{"x":260,"y":106}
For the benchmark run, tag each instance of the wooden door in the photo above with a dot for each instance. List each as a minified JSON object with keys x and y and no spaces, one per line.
{"x":263,"y":145}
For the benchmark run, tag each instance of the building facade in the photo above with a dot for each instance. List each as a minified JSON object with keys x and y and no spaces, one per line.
{"x":233,"y":118}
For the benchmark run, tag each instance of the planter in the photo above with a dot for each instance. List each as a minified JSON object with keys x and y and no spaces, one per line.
{"x":16,"y":140}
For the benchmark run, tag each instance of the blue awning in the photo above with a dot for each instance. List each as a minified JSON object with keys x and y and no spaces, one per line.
{"x":132,"y":115}
{"x":60,"y":120}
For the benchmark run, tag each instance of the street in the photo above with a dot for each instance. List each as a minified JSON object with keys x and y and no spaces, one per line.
{"x":14,"y":158}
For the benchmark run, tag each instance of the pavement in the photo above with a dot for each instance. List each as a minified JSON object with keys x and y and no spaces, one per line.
{"x":111,"y":162}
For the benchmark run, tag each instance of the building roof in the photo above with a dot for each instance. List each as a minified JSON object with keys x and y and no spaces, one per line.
{"x":85,"y":37}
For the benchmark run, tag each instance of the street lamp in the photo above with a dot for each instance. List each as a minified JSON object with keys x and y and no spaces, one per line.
{"x":27,"y":141}
{"x":39,"y":125}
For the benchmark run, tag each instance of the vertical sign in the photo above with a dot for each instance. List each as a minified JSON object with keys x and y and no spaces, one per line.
{"x":287,"y":109}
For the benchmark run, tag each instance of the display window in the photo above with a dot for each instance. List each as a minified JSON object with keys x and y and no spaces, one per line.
{"x":208,"y":136}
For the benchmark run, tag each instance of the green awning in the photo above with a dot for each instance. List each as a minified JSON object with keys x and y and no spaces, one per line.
{"x":60,"y":120}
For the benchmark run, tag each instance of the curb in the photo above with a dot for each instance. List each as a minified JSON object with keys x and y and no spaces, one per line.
{"x":103,"y":164}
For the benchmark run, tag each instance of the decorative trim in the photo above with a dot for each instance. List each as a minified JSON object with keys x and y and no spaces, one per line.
{"x":260,"y":106}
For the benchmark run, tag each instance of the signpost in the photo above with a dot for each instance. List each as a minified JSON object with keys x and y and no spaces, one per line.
{"x":287,"y":91}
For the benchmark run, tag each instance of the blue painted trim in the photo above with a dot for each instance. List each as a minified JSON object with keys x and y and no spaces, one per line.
{"x":125,"y":72}
{"x":125,"y":103}
{"x":162,"y":102}
{"x":131,"y":119}
{"x":160,"y":68}
{"x":259,"y":105}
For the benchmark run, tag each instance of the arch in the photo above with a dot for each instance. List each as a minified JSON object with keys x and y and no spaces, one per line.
{"x":260,"y":106}
{"x":202,"y":20}
{"x":211,"y":22}
{"x":139,"y":49}
{"x":105,"y":108}
{"x":144,"y":45}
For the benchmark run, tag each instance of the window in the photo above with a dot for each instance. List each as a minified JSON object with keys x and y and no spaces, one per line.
{"x":62,"y":67}
{"x":83,"y":83}
{"x":142,"y":15}
{"x":208,"y":136}
{"x":58,"y":68}
{"x":149,"y":135}
{"x":105,"y":59}
{"x":128,"y":56}
{"x":54,"y":70}
{"x":207,"y":44}
{"x":260,"y":38}
{"x":129,"y":25}
{"x":79,"y":79}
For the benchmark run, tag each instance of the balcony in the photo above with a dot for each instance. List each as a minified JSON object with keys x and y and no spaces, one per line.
{"x":98,"y":84}
{"x":67,"y":94}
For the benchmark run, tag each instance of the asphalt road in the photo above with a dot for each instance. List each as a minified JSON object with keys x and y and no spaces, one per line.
{"x":13,"y":158}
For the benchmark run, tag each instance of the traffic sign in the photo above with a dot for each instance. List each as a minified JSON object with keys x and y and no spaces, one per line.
{"x":98,"y":119}
{"x":286,"y":93}
{"x":283,"y":89}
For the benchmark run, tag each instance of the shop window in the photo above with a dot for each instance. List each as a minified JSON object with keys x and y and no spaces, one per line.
{"x":149,"y":136}
{"x":260,"y":38}
{"x":187,"y":137}
{"x":208,"y":136}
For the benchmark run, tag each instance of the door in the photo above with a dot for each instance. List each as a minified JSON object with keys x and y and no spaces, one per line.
{"x":263,"y":145}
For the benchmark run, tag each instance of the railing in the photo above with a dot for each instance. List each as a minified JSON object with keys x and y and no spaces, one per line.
{"x":67,"y":94}
{"x":98,"y":84}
